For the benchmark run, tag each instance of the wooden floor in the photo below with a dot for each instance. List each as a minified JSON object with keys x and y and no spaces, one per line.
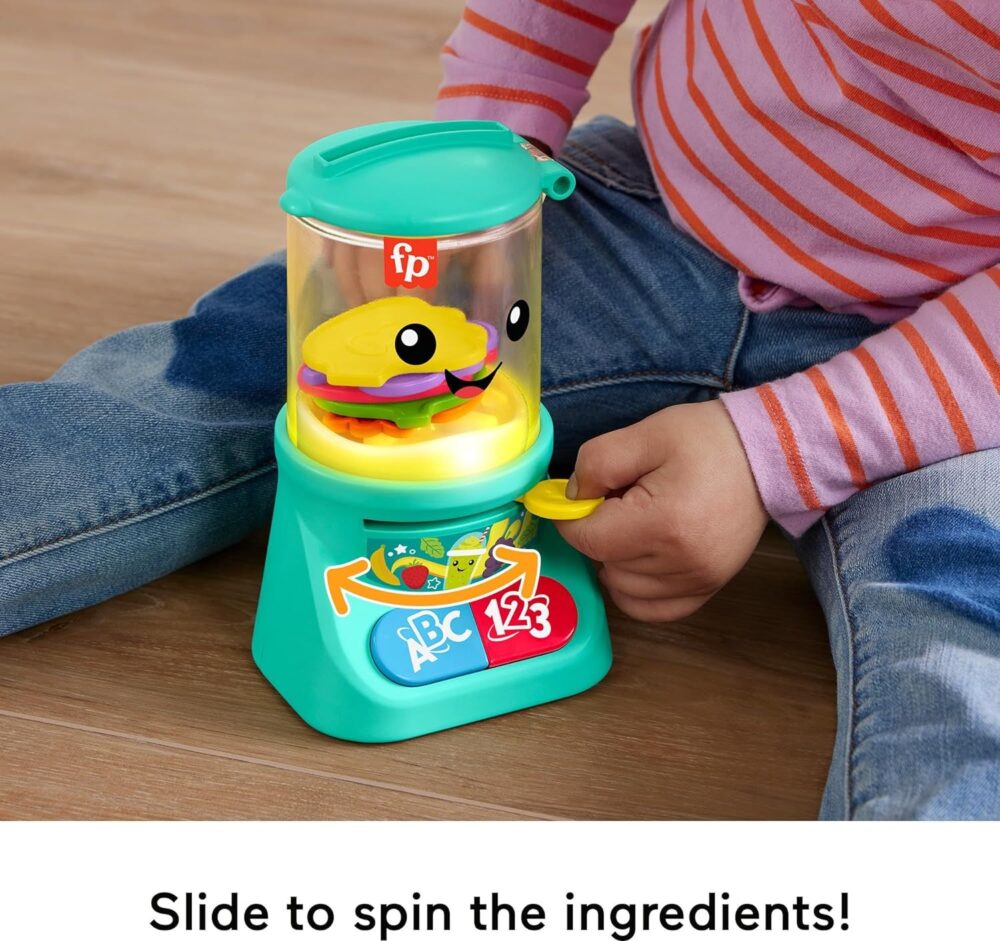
{"x":142,"y":151}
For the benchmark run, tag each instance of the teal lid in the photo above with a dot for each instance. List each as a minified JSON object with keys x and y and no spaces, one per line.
{"x":421,"y":178}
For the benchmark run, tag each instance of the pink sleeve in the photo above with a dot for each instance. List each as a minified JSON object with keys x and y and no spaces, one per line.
{"x":925,"y":389}
{"x":526,"y":62}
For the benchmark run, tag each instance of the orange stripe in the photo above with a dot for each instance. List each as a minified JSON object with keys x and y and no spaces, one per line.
{"x":519,"y":40}
{"x":500,"y":93}
{"x":928,"y":269}
{"x":786,"y":438}
{"x":839,"y":281}
{"x":881,"y":108}
{"x":448,"y":50}
{"x":584,"y":16}
{"x":877,"y":106}
{"x":864,"y":199}
{"x":970,"y":23}
{"x":682,"y":206}
{"x":957,"y":199}
{"x":843,"y":431}
{"x":910,"y":72}
{"x":904,"y":442}
{"x":972,"y":332}
{"x":880,"y":13}
{"x":942,"y":389}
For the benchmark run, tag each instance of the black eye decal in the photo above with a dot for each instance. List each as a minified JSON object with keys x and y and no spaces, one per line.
{"x":415,"y":344}
{"x":517,"y":320}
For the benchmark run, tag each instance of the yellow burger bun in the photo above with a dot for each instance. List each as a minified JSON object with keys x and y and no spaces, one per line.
{"x":359,"y":348}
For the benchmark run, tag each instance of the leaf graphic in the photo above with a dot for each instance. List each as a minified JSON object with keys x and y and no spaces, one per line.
{"x":432,"y":546}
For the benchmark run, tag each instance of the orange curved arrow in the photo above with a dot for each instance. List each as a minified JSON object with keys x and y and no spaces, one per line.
{"x":343,"y":580}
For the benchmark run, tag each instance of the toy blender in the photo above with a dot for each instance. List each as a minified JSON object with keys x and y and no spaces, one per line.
{"x":413,"y":579}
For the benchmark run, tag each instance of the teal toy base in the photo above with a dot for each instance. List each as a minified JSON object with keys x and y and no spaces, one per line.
{"x":321,"y":662}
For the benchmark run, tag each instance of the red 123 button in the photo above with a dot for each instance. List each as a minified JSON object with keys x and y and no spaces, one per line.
{"x":515,"y":628}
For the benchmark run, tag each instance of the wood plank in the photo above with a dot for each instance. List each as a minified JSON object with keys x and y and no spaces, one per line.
{"x":51,"y":772}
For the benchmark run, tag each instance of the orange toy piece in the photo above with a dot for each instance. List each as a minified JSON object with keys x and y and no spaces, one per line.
{"x":458,"y":411}
{"x":361,"y":429}
{"x":392,"y":429}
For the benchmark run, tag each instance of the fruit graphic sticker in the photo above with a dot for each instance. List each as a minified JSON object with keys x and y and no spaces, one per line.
{"x":426,"y":562}
{"x":462,"y":559}
{"x":401,"y":567}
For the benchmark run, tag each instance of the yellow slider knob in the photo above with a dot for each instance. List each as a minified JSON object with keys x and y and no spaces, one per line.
{"x":548,"y":500}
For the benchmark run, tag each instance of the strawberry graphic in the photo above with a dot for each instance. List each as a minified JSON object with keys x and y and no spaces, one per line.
{"x":415,"y":576}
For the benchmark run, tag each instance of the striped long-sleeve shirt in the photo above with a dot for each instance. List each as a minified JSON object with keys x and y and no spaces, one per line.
{"x":840,"y":153}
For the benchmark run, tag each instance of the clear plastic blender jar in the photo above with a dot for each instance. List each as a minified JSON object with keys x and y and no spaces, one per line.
{"x":407,"y":382}
{"x":416,"y":357}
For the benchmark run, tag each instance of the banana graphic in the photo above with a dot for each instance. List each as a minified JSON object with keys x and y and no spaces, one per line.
{"x":380,"y":570}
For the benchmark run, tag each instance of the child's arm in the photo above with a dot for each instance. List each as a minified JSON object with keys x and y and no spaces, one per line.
{"x":526,"y":62}
{"x":925,"y":389}
{"x":688,"y":513}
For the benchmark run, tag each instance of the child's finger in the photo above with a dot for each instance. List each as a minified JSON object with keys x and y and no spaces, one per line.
{"x":657,"y":611}
{"x":611,"y":462}
{"x":608,"y":534}
{"x":632,"y":584}
{"x":660,"y":564}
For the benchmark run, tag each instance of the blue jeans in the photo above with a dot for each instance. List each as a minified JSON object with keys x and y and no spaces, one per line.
{"x":152,"y":448}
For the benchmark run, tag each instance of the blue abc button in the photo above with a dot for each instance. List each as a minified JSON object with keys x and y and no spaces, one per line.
{"x":417,"y":646}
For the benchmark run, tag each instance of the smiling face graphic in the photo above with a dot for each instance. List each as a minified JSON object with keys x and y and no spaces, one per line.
{"x":462,"y":559}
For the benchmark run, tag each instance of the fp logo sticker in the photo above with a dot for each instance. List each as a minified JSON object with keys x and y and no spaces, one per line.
{"x":410,"y":263}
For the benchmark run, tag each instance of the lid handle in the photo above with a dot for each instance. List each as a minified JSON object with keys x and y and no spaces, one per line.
{"x":421,"y":135}
{"x":557,"y":181}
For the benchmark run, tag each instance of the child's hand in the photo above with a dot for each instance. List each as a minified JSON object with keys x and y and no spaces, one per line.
{"x":682,"y":515}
